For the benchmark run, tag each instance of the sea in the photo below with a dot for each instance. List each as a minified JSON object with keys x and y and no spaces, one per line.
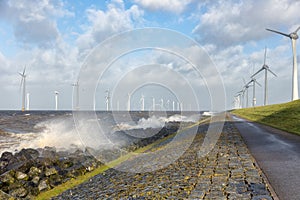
{"x":38,"y":129}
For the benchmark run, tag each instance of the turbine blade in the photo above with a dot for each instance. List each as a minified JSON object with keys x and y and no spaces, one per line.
{"x":284,"y":34}
{"x":297,"y":29}
{"x":256,"y":72}
{"x":21,"y":83}
{"x":244,"y":81}
{"x":24,"y":70}
{"x":272,"y":72}
{"x":257,"y":83}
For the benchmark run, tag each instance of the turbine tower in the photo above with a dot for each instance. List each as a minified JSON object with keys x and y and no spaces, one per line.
{"x":253,"y":80}
{"x":107,"y":99}
{"x":173,"y":105}
{"x":23,"y":83}
{"x":267,"y":69}
{"x":161,"y":104}
{"x":293,"y":36}
{"x":76,"y":85}
{"x":153,"y":103}
{"x":142,"y":100}
{"x":128,"y":102}
{"x":56,"y":99}
{"x":28,"y":101}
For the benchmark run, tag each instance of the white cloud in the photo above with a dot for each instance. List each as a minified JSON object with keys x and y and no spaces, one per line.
{"x":103,"y":24}
{"x":175,"y":6}
{"x":33,"y":21}
{"x":231,"y":22}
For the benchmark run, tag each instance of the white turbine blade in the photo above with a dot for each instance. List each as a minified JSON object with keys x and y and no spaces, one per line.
{"x":256,"y":73}
{"x":244,"y":81}
{"x":21,"y":74}
{"x":297,"y":29}
{"x":272,"y":72}
{"x":257,"y":83}
{"x":24,"y":70}
{"x":284,"y":34}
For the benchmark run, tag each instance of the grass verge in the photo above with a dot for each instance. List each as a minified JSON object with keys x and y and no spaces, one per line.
{"x":284,"y":116}
{"x":83,"y":178}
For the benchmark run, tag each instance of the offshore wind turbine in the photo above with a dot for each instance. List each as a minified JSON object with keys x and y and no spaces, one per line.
{"x":23,"y":83}
{"x":173,"y":105}
{"x":253,"y":81}
{"x":153,"y":103}
{"x":161,"y":104}
{"x":293,"y":36}
{"x":76,"y":85}
{"x":56,"y":99}
{"x":142,"y":100}
{"x":168,"y":104}
{"x":128,"y":102}
{"x":267,"y":69}
{"x":107,"y":100}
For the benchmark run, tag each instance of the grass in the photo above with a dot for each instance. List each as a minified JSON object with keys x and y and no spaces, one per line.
{"x":284,"y":116}
{"x":83,"y":178}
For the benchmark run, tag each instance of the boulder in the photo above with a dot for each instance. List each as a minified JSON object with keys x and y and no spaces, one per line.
{"x":21,"y":176}
{"x":7,"y":178}
{"x":50,"y":171}
{"x":18,"y":192}
{"x":43,"y":185}
{"x":34,"y":171}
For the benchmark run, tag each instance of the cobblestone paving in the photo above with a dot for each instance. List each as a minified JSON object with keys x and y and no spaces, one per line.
{"x":227,"y":172}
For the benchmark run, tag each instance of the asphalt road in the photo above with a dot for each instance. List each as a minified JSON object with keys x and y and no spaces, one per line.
{"x":278,"y":155}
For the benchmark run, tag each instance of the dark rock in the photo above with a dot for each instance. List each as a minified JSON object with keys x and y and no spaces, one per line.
{"x":7,"y":177}
{"x":4,"y":196}
{"x":18,"y":192}
{"x":27,"y":154}
{"x":55,"y":180}
{"x":50,"y":171}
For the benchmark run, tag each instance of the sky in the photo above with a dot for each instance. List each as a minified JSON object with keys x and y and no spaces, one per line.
{"x":54,"y":39}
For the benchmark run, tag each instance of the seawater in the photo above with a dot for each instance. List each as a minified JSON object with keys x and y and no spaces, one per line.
{"x":37,"y":129}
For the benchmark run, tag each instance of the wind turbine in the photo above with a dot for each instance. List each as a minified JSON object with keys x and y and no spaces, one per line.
{"x":23,"y":83}
{"x":161,"y":104}
{"x":142,"y":100}
{"x":238,"y":96}
{"x":56,"y":99}
{"x":253,"y":81}
{"x":76,"y":85}
{"x":107,"y":99}
{"x":267,"y":69}
{"x":153,"y":103}
{"x":128,"y":102}
{"x":293,"y":36}
{"x":173,"y":105}
{"x":28,"y":101}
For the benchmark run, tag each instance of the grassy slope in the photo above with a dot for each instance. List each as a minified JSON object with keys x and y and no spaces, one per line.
{"x":282,"y":116}
{"x":74,"y":182}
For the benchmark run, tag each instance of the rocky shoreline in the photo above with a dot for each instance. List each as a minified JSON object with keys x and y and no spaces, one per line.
{"x":28,"y":172}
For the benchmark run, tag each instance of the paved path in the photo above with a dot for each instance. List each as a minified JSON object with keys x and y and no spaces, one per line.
{"x":277,"y":154}
{"x":227,"y":172}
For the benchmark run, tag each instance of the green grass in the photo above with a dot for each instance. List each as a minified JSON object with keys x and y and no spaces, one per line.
{"x":284,"y":116}
{"x":83,"y":178}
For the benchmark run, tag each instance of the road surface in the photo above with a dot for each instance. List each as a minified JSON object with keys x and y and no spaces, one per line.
{"x":278,"y":155}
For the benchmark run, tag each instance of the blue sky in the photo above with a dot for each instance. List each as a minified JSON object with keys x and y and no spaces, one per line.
{"x":53,"y":37}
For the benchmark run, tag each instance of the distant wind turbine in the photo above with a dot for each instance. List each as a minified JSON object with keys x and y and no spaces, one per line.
{"x":128,"y":102}
{"x":293,"y":36}
{"x":56,"y":99}
{"x":267,"y":69}
{"x":161,"y":104}
{"x":142,"y":100}
{"x":168,"y":104}
{"x":253,"y":81}
{"x":107,"y":100}
{"x":23,"y":83}
{"x":76,"y":85}
{"x":173,"y":105}
{"x":153,"y":103}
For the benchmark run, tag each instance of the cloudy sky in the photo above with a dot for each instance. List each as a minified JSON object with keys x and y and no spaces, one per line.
{"x":54,"y":37}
